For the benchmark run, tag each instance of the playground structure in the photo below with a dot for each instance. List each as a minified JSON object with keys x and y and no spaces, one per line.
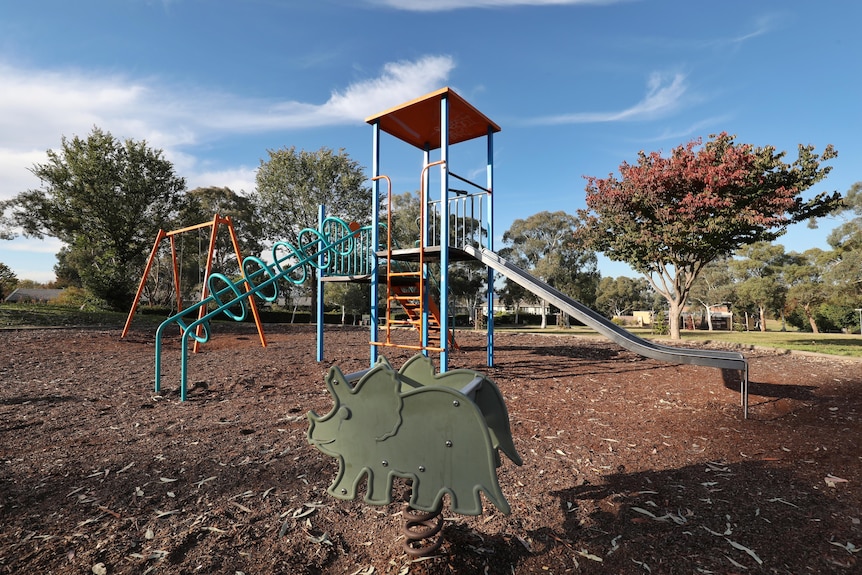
{"x":442,"y":432}
{"x":455,"y":225}
{"x":171,"y":237}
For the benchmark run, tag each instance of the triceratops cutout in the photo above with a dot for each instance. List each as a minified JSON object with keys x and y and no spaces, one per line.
{"x":440,"y":431}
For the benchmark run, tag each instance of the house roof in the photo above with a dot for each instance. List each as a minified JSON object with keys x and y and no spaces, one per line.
{"x":417,"y":122}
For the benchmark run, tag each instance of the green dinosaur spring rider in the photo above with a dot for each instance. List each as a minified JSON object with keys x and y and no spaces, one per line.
{"x":443,"y":432}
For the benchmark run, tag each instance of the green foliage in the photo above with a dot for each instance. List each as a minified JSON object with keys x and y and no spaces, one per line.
{"x":105,"y":200}
{"x":292,"y":184}
{"x":6,"y":231}
{"x":8,"y":281}
{"x":836,"y":318}
{"x":466,"y":280}
{"x":81,"y":299}
{"x":660,"y":323}
{"x":622,"y":295}
{"x":352,"y":298}
{"x":202,"y":204}
{"x":404,"y":221}
{"x":545,"y":244}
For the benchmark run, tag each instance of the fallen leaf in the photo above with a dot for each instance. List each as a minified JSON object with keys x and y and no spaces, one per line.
{"x":741,"y":547}
{"x":832,"y":481}
{"x":587,"y":555}
{"x":849,"y":547}
{"x":324,"y":539}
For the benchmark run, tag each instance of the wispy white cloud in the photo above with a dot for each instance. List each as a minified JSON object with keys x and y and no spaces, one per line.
{"x":398,"y":82}
{"x":702,"y":128}
{"x":446,"y":5}
{"x":37,"y":107}
{"x":664,"y":96}
{"x":762,"y":26}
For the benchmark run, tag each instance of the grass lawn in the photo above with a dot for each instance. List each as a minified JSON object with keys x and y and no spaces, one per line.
{"x":19,"y":315}
{"x":849,"y":345}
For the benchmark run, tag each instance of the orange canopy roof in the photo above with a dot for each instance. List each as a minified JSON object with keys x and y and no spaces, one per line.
{"x":417,"y":122}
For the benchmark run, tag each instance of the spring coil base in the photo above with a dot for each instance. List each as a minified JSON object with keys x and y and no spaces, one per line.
{"x":422,"y":531}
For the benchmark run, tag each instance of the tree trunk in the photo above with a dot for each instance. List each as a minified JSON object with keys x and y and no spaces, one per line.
{"x":673,"y":316}
{"x":810,"y":317}
{"x":544,"y":321}
{"x":762,"y":318}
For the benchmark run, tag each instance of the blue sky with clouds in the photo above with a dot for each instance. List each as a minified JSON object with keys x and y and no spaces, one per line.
{"x":576,"y":86}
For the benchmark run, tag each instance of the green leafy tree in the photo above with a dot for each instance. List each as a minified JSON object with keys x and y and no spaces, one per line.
{"x":807,"y":290}
{"x":406,"y":211}
{"x":200,"y":206}
{"x":622,"y":295}
{"x":668,"y":217}
{"x":106,"y":200}
{"x":714,"y":287}
{"x":846,"y":243}
{"x":573,"y":272}
{"x":545,"y":244}
{"x":512,"y":295}
{"x":352,"y":298}
{"x":292,"y":184}
{"x":8,"y":281}
{"x":466,"y":280}
{"x":6,"y":227}
{"x":757,"y":269}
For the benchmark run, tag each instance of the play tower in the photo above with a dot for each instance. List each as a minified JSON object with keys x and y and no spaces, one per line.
{"x":413,"y":281}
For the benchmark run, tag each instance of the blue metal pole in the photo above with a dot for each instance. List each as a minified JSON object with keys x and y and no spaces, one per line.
{"x":490,"y":231}
{"x":375,"y":236}
{"x":423,"y":243}
{"x":444,"y":235}
{"x":321,"y":215}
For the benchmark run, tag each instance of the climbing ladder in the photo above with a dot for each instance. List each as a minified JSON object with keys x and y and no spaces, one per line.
{"x":407,"y":290}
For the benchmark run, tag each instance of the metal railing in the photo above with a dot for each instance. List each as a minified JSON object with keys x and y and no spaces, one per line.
{"x":468,"y":217}
{"x":359,"y":261}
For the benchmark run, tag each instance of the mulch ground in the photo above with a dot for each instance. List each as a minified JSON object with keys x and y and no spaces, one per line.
{"x":630,"y":465}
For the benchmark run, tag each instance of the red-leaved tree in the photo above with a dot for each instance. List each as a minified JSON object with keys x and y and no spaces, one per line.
{"x":668,"y":217}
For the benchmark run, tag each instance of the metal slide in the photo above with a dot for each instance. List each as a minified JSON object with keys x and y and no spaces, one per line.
{"x":624,"y":338}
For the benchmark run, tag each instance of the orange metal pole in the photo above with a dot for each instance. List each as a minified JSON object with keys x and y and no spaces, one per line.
{"x":176,"y":275}
{"x":252,"y":304}
{"x":159,"y":237}
{"x":190,"y":228}
{"x":205,"y":289}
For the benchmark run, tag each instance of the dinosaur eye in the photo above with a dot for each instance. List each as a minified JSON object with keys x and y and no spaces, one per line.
{"x":343,"y":412}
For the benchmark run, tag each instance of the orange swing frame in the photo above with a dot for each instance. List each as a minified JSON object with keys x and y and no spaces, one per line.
{"x":162,"y":235}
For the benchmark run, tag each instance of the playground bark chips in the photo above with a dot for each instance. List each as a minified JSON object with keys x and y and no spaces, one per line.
{"x":629,"y":465}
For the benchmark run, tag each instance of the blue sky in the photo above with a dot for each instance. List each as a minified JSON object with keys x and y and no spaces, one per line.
{"x":577,"y":87}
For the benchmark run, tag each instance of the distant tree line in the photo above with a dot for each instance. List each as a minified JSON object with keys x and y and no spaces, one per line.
{"x":700,"y":226}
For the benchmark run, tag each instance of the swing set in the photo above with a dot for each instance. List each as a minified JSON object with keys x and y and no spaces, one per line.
{"x":175,"y":266}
